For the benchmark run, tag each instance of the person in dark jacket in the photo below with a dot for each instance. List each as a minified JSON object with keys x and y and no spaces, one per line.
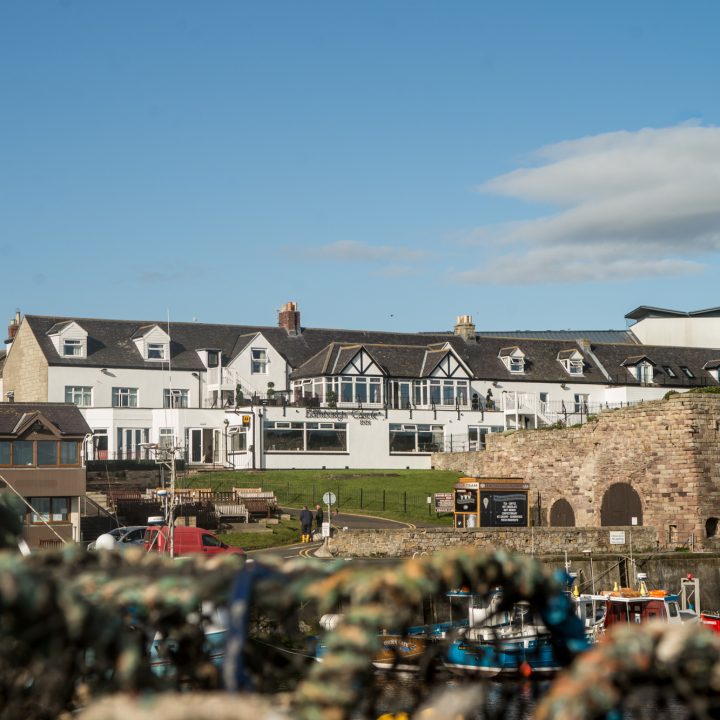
{"x":306,"y":519}
{"x":319,"y":517}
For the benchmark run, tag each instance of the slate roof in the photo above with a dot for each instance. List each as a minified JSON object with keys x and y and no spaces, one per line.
{"x":612,"y":357}
{"x":65,"y":416}
{"x":608,"y":336}
{"x":110,"y":342}
{"x":316,"y":351}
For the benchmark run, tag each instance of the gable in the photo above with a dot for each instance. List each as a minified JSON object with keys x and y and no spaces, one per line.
{"x":449,"y":366}
{"x":361,"y":364}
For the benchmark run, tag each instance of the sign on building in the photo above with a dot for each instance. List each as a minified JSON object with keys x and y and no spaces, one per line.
{"x":617,"y":537}
{"x":491,"y":503}
{"x":444,"y":502}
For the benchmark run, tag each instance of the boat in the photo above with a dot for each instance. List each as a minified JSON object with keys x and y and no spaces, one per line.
{"x":403,"y":650}
{"x":628,"y":605}
{"x":510,"y":642}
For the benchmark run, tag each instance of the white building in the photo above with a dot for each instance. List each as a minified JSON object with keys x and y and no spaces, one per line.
{"x":294,"y":397}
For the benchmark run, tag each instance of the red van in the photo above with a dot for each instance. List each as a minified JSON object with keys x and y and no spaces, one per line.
{"x":187,"y":541}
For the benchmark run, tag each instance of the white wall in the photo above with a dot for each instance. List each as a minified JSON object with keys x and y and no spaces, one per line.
{"x":680,"y":331}
{"x":241,"y":367}
{"x":150,"y":384}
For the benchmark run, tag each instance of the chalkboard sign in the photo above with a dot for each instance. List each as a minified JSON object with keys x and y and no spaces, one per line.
{"x":466,"y":500}
{"x":500,"y":508}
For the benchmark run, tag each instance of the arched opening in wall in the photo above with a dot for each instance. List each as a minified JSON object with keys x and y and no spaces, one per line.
{"x":711,"y":527}
{"x":620,"y":504}
{"x":562,"y":514}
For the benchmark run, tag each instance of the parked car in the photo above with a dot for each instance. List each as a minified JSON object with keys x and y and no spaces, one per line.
{"x":187,"y":541}
{"x":124,"y":537}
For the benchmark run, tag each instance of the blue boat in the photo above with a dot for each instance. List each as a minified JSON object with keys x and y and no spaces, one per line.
{"x":513,"y":642}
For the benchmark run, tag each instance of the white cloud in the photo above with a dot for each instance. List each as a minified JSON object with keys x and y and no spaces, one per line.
{"x":344,"y":250}
{"x":630,"y":204}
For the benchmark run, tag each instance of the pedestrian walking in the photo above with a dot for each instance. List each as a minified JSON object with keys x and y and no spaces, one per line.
{"x":306,"y":519}
{"x":319,"y":517}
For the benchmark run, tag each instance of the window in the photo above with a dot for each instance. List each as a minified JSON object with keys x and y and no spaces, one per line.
{"x":282,"y":436}
{"x":124,"y":397}
{"x":210,"y":541}
{"x":4,"y":452}
{"x":22,"y":452}
{"x":238,"y":440}
{"x":517,"y":364}
{"x":644,"y":373}
{"x":258,"y":361}
{"x":410,"y":438}
{"x":212,"y":358}
{"x":72,"y":348}
{"x":155,"y":351}
{"x":50,"y":509}
{"x":165,"y":439}
{"x":69,"y":452}
{"x":669,"y":371}
{"x":175,"y":398}
{"x":445,"y":393}
{"x":687,"y":371}
{"x":581,"y":404}
{"x":80,"y":395}
{"x":47,"y":452}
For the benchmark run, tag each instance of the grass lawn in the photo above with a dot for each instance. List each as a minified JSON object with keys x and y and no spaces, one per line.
{"x":396,"y":494}
{"x":287,"y":532}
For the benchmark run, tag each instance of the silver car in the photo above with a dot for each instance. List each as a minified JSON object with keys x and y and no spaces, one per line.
{"x":125,"y":537}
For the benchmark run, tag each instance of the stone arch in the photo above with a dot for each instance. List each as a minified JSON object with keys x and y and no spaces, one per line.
{"x":620,"y":504}
{"x":562,"y":514}
{"x":711,"y":527}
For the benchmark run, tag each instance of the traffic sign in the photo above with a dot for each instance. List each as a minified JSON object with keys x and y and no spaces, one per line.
{"x":329,"y":498}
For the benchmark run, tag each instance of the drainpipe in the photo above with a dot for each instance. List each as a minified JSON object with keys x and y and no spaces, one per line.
{"x":197,"y":375}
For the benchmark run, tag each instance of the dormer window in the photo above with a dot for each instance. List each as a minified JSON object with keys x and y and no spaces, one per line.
{"x":644,"y":373}
{"x":212,"y":358}
{"x":513,"y":358}
{"x":713,"y":367}
{"x":572,"y":361}
{"x":72,"y":348}
{"x":155,"y":351}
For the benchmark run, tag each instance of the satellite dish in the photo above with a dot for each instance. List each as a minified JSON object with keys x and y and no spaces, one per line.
{"x":105,"y":542}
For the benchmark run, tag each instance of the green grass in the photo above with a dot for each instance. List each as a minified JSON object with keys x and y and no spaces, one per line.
{"x":287,"y":532}
{"x":396,"y":494}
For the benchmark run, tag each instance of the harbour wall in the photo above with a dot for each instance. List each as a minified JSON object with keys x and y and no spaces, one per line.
{"x":665,"y":454}
{"x":606,"y":563}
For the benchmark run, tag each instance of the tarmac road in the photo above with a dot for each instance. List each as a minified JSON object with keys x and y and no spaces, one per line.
{"x":339,"y":520}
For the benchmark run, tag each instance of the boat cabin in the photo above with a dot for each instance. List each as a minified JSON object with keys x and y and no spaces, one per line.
{"x":626,"y":608}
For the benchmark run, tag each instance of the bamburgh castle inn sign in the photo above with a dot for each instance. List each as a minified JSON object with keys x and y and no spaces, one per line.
{"x":365,"y":417}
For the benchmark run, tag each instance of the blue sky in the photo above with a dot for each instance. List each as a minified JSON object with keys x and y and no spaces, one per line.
{"x":387,"y":165}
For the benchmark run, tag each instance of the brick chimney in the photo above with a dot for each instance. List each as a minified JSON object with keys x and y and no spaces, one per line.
{"x":289,"y":318}
{"x":465,"y":328}
{"x":13,"y":327}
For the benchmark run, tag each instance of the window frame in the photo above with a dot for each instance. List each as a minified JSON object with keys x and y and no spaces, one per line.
{"x":155,"y":348}
{"x":118,"y":393}
{"x":171,"y":397}
{"x":259,"y":361}
{"x":687,"y":372}
{"x":35,"y":518}
{"x":74,"y":343}
{"x":84,"y":391}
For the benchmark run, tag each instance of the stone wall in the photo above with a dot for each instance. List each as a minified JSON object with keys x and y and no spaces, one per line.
{"x":610,"y":563}
{"x":539,"y":540}
{"x":668,"y":451}
{"x":25,"y":372}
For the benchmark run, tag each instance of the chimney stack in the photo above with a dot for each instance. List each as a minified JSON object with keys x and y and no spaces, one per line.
{"x":465,"y":328}
{"x":289,"y":318}
{"x":13,"y":327}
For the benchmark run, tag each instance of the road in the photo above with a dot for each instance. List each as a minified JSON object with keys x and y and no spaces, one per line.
{"x":339,"y":520}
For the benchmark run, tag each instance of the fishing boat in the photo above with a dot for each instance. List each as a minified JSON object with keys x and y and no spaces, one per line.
{"x":404,"y":650}
{"x":628,"y":605}
{"x":506,"y":642}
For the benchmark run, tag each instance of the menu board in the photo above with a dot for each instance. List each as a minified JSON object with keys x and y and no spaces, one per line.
{"x":466,"y":500}
{"x":502,"y":508}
